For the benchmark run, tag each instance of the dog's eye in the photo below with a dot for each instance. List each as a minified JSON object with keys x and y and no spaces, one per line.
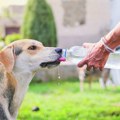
{"x":33,"y":47}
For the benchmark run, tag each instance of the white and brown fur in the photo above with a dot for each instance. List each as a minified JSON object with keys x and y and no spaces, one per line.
{"x":91,"y":76}
{"x":19,"y":62}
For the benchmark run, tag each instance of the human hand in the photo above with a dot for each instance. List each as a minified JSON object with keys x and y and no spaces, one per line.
{"x":96,"y":57}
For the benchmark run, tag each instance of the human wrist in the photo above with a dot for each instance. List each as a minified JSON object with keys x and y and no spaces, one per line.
{"x":106,"y":46}
{"x":112,"y":39}
{"x":101,"y":47}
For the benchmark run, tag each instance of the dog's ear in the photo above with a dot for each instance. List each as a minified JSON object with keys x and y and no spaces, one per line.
{"x":7,"y":58}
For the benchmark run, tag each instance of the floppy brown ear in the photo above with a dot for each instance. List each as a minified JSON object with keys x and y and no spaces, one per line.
{"x":7,"y":58}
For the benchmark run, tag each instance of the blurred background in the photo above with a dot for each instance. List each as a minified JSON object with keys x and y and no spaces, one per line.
{"x":65,"y":92}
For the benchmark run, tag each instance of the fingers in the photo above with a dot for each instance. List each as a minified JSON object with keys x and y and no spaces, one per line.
{"x":82,"y":63}
{"x":90,"y":66}
{"x":85,"y":62}
{"x":94,"y":68}
{"x":88,"y":45}
{"x":101,"y":68}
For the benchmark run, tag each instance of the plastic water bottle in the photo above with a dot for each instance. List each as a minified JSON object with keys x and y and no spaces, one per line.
{"x":76,"y":53}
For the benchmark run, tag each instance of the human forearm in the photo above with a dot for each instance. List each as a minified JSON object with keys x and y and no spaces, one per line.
{"x":100,"y":51}
{"x":112,"y":39}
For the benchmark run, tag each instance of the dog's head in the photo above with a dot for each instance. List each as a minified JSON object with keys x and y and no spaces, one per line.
{"x":29,"y":55}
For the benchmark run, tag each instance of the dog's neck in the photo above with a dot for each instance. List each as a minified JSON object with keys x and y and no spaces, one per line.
{"x":22,"y":82}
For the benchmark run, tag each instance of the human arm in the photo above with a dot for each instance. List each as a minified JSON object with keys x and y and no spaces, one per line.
{"x":98,"y":54}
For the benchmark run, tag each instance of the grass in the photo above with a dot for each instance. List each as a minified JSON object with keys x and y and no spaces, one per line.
{"x":63,"y":101}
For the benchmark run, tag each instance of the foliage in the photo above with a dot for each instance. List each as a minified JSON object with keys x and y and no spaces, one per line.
{"x":2,"y":43}
{"x":6,"y":13}
{"x":62,"y":100}
{"x":12,"y":38}
{"x":1,"y":38}
{"x":39,"y":23}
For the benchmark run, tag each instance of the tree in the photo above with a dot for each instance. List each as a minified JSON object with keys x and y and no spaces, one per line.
{"x":39,"y":23}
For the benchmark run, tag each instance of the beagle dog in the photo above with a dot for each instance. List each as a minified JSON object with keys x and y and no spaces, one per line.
{"x":19,"y":62}
{"x":93,"y":75}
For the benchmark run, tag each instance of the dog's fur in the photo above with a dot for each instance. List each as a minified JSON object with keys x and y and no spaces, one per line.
{"x":19,"y":62}
{"x":91,"y":76}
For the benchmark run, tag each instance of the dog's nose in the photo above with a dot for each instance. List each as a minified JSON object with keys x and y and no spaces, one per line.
{"x":58,"y":50}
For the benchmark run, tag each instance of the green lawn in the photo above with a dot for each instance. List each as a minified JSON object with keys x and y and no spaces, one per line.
{"x":63,"y":101}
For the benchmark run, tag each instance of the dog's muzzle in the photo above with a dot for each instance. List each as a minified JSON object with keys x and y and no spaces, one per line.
{"x":54,"y":63}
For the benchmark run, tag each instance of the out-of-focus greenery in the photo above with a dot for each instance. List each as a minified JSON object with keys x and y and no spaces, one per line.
{"x":1,"y":38}
{"x":2,"y":43}
{"x":39,"y":23}
{"x":62,"y":100}
{"x":11,"y":38}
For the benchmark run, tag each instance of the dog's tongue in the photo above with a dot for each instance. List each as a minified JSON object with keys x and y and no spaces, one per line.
{"x":63,"y":56}
{"x":62,"y":59}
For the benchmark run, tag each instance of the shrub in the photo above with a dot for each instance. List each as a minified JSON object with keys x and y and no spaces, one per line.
{"x":39,"y":23}
{"x":1,"y":38}
{"x":2,"y":43}
{"x":12,"y":38}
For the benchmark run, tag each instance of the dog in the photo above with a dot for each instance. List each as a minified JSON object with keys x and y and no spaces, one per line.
{"x":19,"y":61}
{"x":93,"y":75}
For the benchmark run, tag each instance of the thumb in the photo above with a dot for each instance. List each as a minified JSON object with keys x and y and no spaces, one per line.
{"x":88,"y":45}
{"x":82,"y":63}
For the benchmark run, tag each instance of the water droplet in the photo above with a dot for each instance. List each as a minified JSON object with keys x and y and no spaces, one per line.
{"x":58,"y":77}
{"x":58,"y":72}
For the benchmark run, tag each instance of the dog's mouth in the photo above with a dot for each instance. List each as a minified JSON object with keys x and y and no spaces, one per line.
{"x":50,"y":64}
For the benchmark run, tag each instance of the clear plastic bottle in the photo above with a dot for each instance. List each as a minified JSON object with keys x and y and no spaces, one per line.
{"x":76,"y":53}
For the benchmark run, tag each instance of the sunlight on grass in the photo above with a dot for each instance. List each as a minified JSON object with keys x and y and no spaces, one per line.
{"x":63,"y":101}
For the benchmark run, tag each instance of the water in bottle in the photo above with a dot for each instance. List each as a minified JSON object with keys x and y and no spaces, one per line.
{"x":76,"y":53}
